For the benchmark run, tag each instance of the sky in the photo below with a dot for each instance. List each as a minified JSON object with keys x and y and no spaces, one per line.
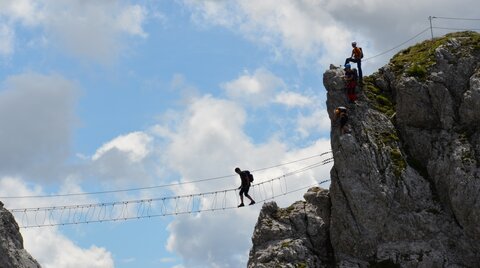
{"x":110,"y":95}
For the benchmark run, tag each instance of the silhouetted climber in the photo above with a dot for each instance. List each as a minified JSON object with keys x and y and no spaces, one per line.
{"x":350,"y":83}
{"x":246,"y":178}
{"x":357,"y":56}
{"x":341,"y":113}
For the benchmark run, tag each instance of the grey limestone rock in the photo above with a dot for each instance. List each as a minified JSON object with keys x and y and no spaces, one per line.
{"x":12,"y":253}
{"x":296,"y":236}
{"x":405,"y":185}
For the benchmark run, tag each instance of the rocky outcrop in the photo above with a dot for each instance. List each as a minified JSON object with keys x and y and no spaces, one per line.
{"x":12,"y":253}
{"x":296,"y":236}
{"x":405,"y":183}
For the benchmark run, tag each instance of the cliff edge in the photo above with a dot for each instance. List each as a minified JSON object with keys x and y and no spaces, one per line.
{"x":405,"y":183}
{"x":12,"y":253}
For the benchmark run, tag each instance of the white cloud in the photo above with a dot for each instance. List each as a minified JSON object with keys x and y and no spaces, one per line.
{"x":130,"y":20}
{"x":256,"y":88}
{"x":207,"y":124}
{"x":316,"y":122}
{"x":220,"y":240}
{"x":37,"y":118}
{"x":23,"y":11}
{"x":49,"y":246}
{"x":91,"y":29}
{"x":134,"y":145}
{"x":52,"y":249}
{"x":321,"y":31}
{"x":292,"y":99}
{"x":127,"y":159}
{"x":302,"y":29}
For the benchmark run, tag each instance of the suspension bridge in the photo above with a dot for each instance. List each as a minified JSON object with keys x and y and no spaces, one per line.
{"x":226,"y":199}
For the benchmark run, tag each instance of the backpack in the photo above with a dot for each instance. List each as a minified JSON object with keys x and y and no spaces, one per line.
{"x":249,"y":175}
{"x":361,"y":53}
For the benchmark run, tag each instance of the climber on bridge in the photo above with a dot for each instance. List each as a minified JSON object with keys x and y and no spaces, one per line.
{"x":350,"y":83}
{"x":341,"y":114}
{"x":357,"y":56}
{"x":246,"y":178}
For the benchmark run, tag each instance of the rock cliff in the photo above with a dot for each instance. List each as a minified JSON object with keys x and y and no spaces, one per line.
{"x":297,"y":236}
{"x":12,"y":253}
{"x":405,"y":185}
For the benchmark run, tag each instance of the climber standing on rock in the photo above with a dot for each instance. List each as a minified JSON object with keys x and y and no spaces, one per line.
{"x":246,"y":178}
{"x":341,"y":114}
{"x":350,"y":83}
{"x":357,"y":56}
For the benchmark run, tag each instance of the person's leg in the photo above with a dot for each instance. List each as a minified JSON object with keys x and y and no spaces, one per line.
{"x":350,"y":96}
{"x":351,"y":91}
{"x":354,"y":91}
{"x":359,"y":67}
{"x":249,"y":197}
{"x":347,"y":60}
{"x":241,"y":197}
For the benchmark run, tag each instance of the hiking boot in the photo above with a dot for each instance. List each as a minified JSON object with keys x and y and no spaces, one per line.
{"x":251,"y":203}
{"x":241,"y":205}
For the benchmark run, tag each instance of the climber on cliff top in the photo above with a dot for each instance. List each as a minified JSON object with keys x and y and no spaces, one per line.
{"x":357,"y":56}
{"x":341,"y":113}
{"x":350,"y":83}
{"x":246,"y":178}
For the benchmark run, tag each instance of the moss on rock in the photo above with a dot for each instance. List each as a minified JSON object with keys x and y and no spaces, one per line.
{"x":416,"y":60}
{"x":379,"y":100}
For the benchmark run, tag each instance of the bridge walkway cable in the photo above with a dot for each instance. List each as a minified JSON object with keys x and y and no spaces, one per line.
{"x":156,"y":207}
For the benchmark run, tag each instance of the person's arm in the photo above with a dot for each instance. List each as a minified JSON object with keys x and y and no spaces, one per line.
{"x":241,"y":180}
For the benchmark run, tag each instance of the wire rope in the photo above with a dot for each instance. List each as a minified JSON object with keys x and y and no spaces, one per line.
{"x":456,"y":29}
{"x":448,"y":18}
{"x":156,"y":186}
{"x":393,"y":48}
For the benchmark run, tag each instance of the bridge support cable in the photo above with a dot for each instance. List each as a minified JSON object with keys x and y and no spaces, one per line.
{"x":164,"y":185}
